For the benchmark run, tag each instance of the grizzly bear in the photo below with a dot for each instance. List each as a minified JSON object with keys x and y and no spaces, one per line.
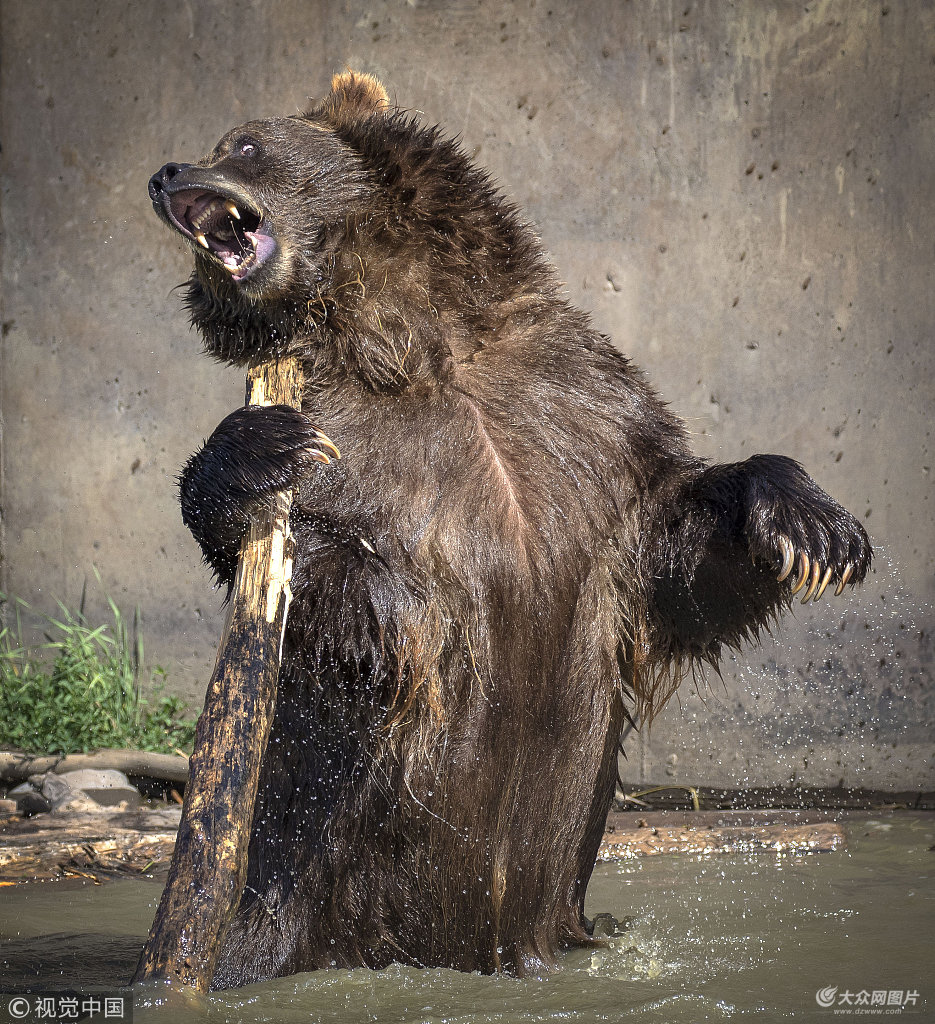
{"x":515,"y":554}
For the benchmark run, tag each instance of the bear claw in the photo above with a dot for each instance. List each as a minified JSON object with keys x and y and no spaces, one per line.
{"x":803,"y":573}
{"x":845,"y":576}
{"x":812,"y":583}
{"x":825,"y":580}
{"x":809,"y":573}
{"x":788,"y":558}
{"x":325,"y":442}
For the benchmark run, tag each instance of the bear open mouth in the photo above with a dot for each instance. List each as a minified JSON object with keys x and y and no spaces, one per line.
{"x":235,"y":235}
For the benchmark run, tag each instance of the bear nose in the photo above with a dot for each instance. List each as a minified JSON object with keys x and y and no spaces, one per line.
{"x":162,"y":177}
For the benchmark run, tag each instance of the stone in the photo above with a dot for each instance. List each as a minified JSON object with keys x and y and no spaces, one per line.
{"x":29,"y":800}
{"x":78,"y":803}
{"x":54,"y":788}
{"x":106,"y":786}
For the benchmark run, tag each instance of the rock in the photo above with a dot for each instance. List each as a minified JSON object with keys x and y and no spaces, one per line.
{"x":29,"y":800}
{"x":86,"y":790}
{"x":604,"y":926}
{"x":77,"y":803}
{"x":7,"y":806}
{"x":106,"y":786}
{"x":32,"y":803}
{"x":54,"y":788}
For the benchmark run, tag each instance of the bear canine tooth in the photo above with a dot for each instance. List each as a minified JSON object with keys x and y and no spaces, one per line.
{"x":203,"y":241}
{"x":232,"y":210}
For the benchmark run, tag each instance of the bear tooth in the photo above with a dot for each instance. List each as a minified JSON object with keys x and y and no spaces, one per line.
{"x":203,"y":241}
{"x":232,"y":210}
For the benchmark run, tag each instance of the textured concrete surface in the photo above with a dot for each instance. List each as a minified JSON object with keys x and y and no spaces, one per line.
{"x":740,"y":193}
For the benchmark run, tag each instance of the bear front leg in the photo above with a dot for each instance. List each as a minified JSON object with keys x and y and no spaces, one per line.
{"x":254,"y":452}
{"x":740,"y":542}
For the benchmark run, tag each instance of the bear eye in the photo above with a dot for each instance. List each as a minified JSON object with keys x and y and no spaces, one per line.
{"x":246,"y":147}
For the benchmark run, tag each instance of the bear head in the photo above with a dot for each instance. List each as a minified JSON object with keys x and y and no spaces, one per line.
{"x":292,"y":220}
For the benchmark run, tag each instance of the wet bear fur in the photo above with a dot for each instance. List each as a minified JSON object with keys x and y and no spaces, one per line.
{"x":516,"y":551}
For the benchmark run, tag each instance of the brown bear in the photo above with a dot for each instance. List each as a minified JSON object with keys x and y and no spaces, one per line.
{"x":515,"y":553}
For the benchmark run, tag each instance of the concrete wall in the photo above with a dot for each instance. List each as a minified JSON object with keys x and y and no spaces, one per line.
{"x":741,"y":193}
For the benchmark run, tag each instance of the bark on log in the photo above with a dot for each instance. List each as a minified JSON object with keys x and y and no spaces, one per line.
{"x":208,"y":870}
{"x":171,"y":767}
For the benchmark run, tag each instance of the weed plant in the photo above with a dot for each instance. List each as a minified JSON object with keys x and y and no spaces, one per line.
{"x":82,"y":687}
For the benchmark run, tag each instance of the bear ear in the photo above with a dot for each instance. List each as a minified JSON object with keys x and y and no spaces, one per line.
{"x":353,"y":94}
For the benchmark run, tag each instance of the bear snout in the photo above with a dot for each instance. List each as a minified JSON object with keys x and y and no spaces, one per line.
{"x":162,"y":177}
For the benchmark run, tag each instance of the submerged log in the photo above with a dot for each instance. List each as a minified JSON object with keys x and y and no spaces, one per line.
{"x":208,"y":870}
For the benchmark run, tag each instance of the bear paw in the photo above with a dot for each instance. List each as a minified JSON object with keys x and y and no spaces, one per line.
{"x":793,"y":524}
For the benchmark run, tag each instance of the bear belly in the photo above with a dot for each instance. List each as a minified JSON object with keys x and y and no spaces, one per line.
{"x":383,"y":835}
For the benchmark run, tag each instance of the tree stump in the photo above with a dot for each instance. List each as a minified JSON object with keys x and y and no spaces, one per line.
{"x":208,"y":870}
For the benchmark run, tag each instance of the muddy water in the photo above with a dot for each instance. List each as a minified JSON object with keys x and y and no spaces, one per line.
{"x":738,"y":937}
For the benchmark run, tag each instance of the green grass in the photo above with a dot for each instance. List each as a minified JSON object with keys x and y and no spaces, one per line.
{"x":82,"y":688}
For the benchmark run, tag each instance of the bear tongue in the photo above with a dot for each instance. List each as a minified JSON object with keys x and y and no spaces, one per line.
{"x":242,"y":267}
{"x":263,"y":245}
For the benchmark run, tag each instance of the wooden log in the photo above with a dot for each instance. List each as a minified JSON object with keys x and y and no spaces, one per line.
{"x":171,"y":767}
{"x":208,"y":870}
{"x":779,"y":838}
{"x":101,"y":845}
{"x":97,"y":846}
